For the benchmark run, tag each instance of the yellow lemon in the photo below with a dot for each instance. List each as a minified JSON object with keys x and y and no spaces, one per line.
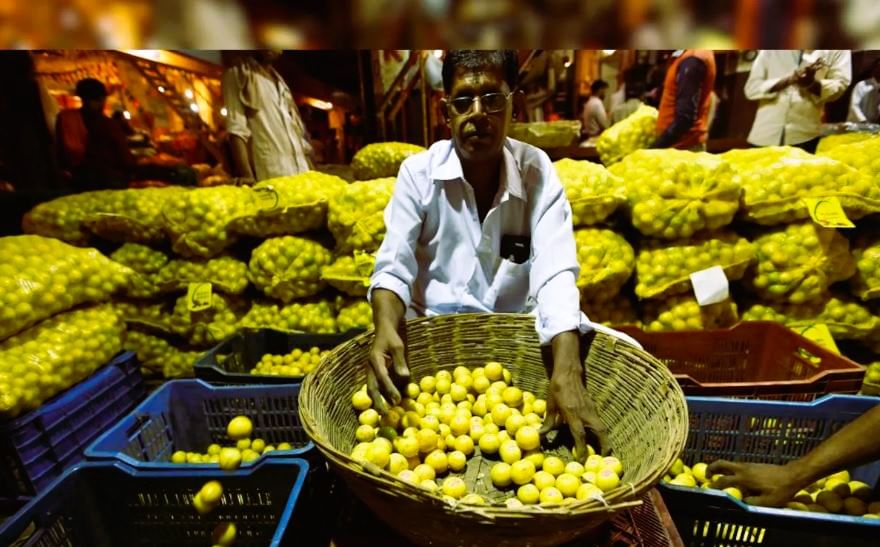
{"x":211,"y":492}
{"x":429,"y":485}
{"x":258,"y":445}
{"x":512,"y":396}
{"x":243,"y":444}
{"x":365,"y":433}
{"x":522,"y":471}
{"x":445,"y":430}
{"x":500,"y":412}
{"x":493,"y":370}
{"x":506,"y":376}
{"x":460,"y":425}
{"x":443,"y":386}
{"x":458,"y":393}
{"x":574,"y":468}
{"x":479,"y":371}
{"x":429,"y":422}
{"x":427,"y":384}
{"x":734,"y":492}
{"x":369,"y":417}
{"x":527,"y":438}
{"x":424,"y":472}
{"x":533,"y":419}
{"x":489,"y":443}
{"x":614,"y":464}
{"x":454,"y":487}
{"x":397,"y":463}
{"x":699,"y":471}
{"x":408,"y":476}
{"x":568,"y":484}
{"x":410,"y":432}
{"x":513,"y":423}
{"x":594,"y":463}
{"x":457,"y":460}
{"x":500,"y":474}
{"x":178,"y":457}
{"x":465,"y":405}
{"x":683,"y":479}
{"x":528,"y":494}
{"x":499,"y":387}
{"x":551,"y":495}
{"x":481,"y":384}
{"x":361,"y":401}
{"x":241,"y":427}
{"x":412,"y":390}
{"x":444,"y":375}
{"x":230,"y":459}
{"x":586,"y":491}
{"x":437,"y":459}
{"x":589,"y":477}
{"x":427,"y":440}
{"x":543,"y":479}
{"x":539,"y":407}
{"x":510,"y":452}
{"x":477,"y":432}
{"x":465,"y":381}
{"x":493,"y":399}
{"x":607,"y":479}
{"x":249,"y":456}
{"x":214,"y":449}
{"x":513,"y":503}
{"x":479,"y":408}
{"x":528,"y":398}
{"x":224,"y":534}
{"x":536,"y":457}
{"x":284,"y":446}
{"x":473,"y":499}
{"x":491,"y":428}
{"x":553,"y":465}
{"x":427,"y":400}
{"x":503,"y":437}
{"x":408,"y":446}
{"x":464,"y":444}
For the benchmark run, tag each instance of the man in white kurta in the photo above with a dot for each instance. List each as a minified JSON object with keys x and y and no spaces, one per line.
{"x":792,"y":87}
{"x":267,"y":135}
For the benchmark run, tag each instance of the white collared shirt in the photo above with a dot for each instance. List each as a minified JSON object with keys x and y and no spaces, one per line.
{"x":793,"y":115}
{"x":439,"y":259}
{"x":864,"y":104}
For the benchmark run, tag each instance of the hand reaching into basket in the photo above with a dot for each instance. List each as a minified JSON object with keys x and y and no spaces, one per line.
{"x":384,"y":382}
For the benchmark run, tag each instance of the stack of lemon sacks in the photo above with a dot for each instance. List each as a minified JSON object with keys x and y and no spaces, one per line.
{"x":675,"y":193}
{"x":350,"y":273}
{"x":146,"y":263}
{"x":836,"y":493}
{"x":863,"y":155}
{"x":606,"y":260}
{"x":636,"y":131}
{"x":354,"y":314}
{"x":356,"y":215}
{"x":448,"y":423}
{"x":198,"y":221}
{"x":683,"y":312}
{"x":866,"y":252}
{"x":381,"y":159}
{"x":226,"y":273}
{"x":592,"y":191}
{"x":845,"y":318}
{"x":243,"y":449}
{"x":288,"y":267}
{"x":297,"y":362}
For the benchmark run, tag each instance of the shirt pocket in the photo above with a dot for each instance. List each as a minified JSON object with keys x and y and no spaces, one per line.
{"x":511,"y":286}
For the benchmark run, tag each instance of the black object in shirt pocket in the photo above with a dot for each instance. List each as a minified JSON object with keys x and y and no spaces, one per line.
{"x":516,"y":249}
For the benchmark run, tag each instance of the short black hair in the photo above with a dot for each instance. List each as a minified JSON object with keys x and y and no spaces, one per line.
{"x":598,"y":86}
{"x":503,"y":60}
{"x":89,"y":89}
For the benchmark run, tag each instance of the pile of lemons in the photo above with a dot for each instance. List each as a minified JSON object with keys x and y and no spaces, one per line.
{"x":863,"y":155}
{"x":226,"y":273}
{"x":314,"y":315}
{"x":354,"y":314}
{"x":636,"y":131}
{"x":606,"y":260}
{"x":146,"y":263}
{"x":229,"y":458}
{"x":296,"y":363}
{"x":288,"y":267}
{"x":381,"y":159}
{"x":844,"y":317}
{"x":197,"y":221}
{"x":836,"y":493}
{"x":683,"y":312}
{"x":593,"y":192}
{"x":449,"y":422}
{"x":356,"y":215}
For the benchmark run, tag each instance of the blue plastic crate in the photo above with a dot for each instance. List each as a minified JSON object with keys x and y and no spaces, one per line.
{"x":107,"y":504}
{"x":768,"y":432}
{"x":37,"y":447}
{"x":189,"y":415}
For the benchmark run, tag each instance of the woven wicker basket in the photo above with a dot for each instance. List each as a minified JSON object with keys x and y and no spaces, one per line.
{"x":638,"y":399}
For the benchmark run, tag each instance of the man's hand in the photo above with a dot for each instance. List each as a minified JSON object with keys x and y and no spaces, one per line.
{"x":387,"y":347}
{"x":762,"y":484}
{"x":569,"y":403}
{"x":784,"y":82}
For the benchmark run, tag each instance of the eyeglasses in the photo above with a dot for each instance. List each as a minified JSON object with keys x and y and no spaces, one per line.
{"x":491,"y":103}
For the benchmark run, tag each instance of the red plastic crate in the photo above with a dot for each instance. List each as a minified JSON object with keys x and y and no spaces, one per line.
{"x":753,"y":359}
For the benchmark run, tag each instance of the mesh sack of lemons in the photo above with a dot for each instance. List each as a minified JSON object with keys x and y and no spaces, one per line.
{"x":159,"y":356}
{"x":40,"y":277}
{"x":593,"y":192}
{"x":777,"y":179}
{"x":350,"y":273}
{"x":145,"y":263}
{"x":614,"y":312}
{"x":663,"y":268}
{"x":297,"y":362}
{"x":863,"y":155}
{"x":63,"y":218}
{"x":553,"y":134}
{"x":828,"y":142}
{"x":154,"y":314}
{"x":356,"y":215}
{"x":288,"y":267}
{"x":56,"y":354}
{"x":845,"y":318}
{"x":381,"y":159}
{"x":289,"y":205}
{"x":606,"y":262}
{"x":225,"y":273}
{"x":210,"y":326}
{"x":313,"y":315}
{"x":636,"y":131}
{"x":449,"y":427}
{"x":797,"y":263}
{"x":354,"y":313}
{"x":131,"y":215}
{"x":683,"y":312}
{"x":866,"y":252}
{"x":675,"y":193}
{"x":197,"y":221}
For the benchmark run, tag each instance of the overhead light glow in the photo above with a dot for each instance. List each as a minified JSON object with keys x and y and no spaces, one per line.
{"x":194,"y":107}
{"x":188,"y":93}
{"x":223,"y":111}
{"x":318,"y":103}
{"x":126,"y":114}
{"x":161,"y":89}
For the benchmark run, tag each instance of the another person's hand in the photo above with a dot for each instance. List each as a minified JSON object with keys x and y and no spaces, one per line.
{"x":382,"y":380}
{"x":761,"y":483}
{"x":568,"y":402}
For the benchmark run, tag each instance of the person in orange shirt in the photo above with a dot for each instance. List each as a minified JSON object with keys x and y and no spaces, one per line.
{"x":683,"y":119}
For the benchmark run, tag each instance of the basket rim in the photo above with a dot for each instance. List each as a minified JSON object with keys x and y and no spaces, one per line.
{"x":620,"y":498}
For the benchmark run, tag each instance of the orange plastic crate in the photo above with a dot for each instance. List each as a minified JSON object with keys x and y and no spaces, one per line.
{"x":753,"y":359}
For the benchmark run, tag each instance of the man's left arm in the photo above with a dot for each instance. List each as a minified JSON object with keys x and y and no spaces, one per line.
{"x":689,"y":83}
{"x":835,"y":81}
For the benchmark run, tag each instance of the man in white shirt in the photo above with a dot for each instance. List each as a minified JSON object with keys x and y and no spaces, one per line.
{"x":864,"y":104}
{"x":594,"y":118}
{"x":267,"y":135}
{"x":480,"y":223}
{"x":793,"y":87}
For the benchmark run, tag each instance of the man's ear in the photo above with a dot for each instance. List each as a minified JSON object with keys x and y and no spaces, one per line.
{"x":444,"y":110}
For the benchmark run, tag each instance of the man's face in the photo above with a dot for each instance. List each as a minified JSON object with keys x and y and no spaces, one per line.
{"x":601,"y":93}
{"x":477,"y":132}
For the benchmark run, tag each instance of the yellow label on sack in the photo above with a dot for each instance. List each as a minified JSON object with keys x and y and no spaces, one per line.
{"x":828,"y":212}
{"x":819,"y":333}
{"x":267,"y":197}
{"x":199,"y":296}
